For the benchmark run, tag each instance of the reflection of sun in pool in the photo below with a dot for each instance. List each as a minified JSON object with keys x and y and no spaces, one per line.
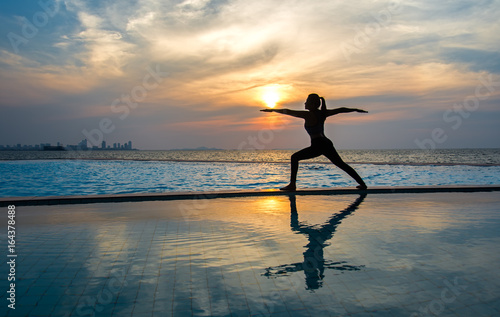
{"x":271,"y":205}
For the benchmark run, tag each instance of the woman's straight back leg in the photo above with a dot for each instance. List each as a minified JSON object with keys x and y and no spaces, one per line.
{"x":331,"y":153}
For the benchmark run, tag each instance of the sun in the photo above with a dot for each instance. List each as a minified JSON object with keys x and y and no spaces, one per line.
{"x":273,"y":94}
{"x":270,"y":96}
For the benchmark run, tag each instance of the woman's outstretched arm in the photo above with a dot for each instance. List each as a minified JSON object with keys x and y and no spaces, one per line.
{"x":293,"y":113}
{"x":332,"y":112}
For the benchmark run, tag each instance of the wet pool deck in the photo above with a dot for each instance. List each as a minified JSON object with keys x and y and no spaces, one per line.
{"x":415,"y":251}
{"x":87,"y":199}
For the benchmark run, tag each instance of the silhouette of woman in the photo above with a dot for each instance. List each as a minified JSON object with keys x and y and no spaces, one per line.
{"x":320,"y":144}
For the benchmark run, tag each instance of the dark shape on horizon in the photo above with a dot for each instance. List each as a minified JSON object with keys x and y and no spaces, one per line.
{"x":314,"y":263}
{"x":320,"y":144}
{"x":53,"y":148}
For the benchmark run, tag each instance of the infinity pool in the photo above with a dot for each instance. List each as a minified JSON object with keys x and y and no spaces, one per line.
{"x":352,"y":255}
{"x":101,"y":177}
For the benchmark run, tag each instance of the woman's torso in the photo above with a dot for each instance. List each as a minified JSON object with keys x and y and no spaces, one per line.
{"x":315,"y":124}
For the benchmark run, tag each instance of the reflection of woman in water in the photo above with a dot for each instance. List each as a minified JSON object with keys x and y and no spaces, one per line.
{"x":320,"y":144}
{"x":314,"y":263}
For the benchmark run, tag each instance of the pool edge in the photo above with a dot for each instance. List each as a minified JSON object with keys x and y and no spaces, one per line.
{"x":88,"y":199}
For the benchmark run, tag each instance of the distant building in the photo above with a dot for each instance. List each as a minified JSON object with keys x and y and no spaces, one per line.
{"x":83,"y":144}
{"x":103,"y":145}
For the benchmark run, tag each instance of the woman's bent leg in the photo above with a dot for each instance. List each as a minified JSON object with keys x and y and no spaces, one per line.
{"x":303,"y":154}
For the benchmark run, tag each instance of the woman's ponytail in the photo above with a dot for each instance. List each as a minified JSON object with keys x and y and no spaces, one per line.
{"x":323,"y":104}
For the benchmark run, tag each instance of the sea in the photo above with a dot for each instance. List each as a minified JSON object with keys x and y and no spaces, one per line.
{"x":61,"y":173}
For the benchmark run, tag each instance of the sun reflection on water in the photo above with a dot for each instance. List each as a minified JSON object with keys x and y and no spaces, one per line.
{"x":272,"y":205}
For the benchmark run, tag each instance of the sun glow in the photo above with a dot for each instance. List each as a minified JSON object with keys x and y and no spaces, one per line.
{"x":270,"y":95}
{"x":271,"y":98}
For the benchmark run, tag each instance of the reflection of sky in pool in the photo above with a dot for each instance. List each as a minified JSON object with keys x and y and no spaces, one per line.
{"x":393,"y":254}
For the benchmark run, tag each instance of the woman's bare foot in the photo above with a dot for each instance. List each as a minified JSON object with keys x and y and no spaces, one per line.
{"x":289,"y":187}
{"x":361,"y":186}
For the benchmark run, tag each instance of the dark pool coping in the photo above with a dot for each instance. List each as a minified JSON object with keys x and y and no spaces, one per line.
{"x":88,"y":199}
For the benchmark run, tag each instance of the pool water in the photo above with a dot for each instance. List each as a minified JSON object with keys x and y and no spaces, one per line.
{"x":342,"y":255}
{"x":98,"y":177}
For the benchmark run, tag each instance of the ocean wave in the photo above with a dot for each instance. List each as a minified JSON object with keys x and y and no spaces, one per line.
{"x":258,"y":162}
{"x":472,"y":157}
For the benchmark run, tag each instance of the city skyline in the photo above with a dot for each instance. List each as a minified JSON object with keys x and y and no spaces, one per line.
{"x":82,"y":145}
{"x":196,"y":73}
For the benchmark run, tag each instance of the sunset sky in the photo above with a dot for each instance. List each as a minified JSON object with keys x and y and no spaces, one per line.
{"x":186,"y":74}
